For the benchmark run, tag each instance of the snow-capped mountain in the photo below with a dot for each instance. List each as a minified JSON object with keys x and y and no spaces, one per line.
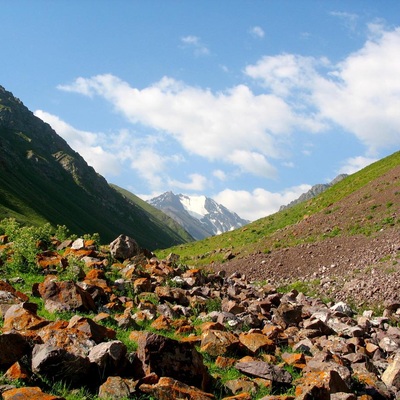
{"x":199,"y":215}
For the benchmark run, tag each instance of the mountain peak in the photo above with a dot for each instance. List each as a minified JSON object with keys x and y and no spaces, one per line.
{"x":201,"y":216}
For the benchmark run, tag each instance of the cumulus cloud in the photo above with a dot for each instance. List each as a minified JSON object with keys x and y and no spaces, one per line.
{"x":235,"y":126}
{"x":257,"y":32}
{"x":250,"y":131}
{"x":361,"y":94}
{"x":354,"y":164}
{"x":196,"y":44}
{"x":258,"y":203}
{"x":87,"y":144}
{"x":197,"y":182}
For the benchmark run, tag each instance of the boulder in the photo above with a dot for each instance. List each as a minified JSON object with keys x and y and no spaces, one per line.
{"x":110,"y":357}
{"x":64,"y":296}
{"x":57,"y":364}
{"x":256,"y":342}
{"x":116,"y":388}
{"x":22,"y":317}
{"x":124,"y":247}
{"x":95,"y":332}
{"x":218,"y":343}
{"x":171,"y":358}
{"x":320,"y":385}
{"x":264,"y":370}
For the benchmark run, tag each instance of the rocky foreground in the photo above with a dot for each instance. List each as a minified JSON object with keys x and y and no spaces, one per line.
{"x":184,"y":328}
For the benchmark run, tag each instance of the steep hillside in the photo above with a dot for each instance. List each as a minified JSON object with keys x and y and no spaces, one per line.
{"x":346,"y":240}
{"x":43,"y":179}
{"x":155,"y":213}
{"x":201,"y":216}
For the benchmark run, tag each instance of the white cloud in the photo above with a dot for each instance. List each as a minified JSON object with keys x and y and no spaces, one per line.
{"x":258,"y":203}
{"x":196,"y":44}
{"x":197,"y":183}
{"x":234,"y":126}
{"x":219,"y":174}
{"x":87,"y":144}
{"x":360,"y":94}
{"x":257,"y":32}
{"x":354,"y":164}
{"x":363,"y":93}
{"x":252,"y":162}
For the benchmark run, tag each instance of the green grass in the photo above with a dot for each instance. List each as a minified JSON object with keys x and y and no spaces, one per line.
{"x":258,"y":235}
{"x":38,"y":169}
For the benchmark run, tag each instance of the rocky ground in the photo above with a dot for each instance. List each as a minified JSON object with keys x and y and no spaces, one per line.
{"x":360,"y":264}
{"x":357,"y":269}
{"x":183,"y":330}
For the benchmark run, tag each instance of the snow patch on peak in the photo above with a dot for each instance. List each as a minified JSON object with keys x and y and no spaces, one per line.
{"x":194,"y":205}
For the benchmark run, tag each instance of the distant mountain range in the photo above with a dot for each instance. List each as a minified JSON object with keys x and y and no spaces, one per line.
{"x":314,"y":191}
{"x":43,"y":180}
{"x":201,"y":216}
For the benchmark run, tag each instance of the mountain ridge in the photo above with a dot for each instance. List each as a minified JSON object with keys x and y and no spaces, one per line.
{"x":314,"y":191}
{"x":42,"y":179}
{"x":201,"y":216}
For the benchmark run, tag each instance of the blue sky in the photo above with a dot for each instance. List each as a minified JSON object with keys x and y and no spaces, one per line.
{"x":247,"y":102}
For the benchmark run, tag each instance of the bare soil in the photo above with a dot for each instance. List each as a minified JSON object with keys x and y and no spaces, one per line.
{"x":362,"y":268}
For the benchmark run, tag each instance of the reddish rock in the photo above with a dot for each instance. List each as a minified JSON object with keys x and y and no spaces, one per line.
{"x":70,"y":339}
{"x":95,"y":273}
{"x":142,"y":285}
{"x":225,"y":362}
{"x":288,"y":314}
{"x":240,"y":396}
{"x":296,"y":359}
{"x":218,"y":343}
{"x":51,"y":259}
{"x":161,"y":323}
{"x":213,"y":326}
{"x":109,"y":357}
{"x":172,"y":295}
{"x":320,"y":385}
{"x":232,"y":307}
{"x":94,"y":331}
{"x":264,"y":370}
{"x":19,"y":372}
{"x":194,"y":277}
{"x":28,"y":393}
{"x":70,"y":368}
{"x":169,"y":388}
{"x":64,"y":296}
{"x":171,"y":358}
{"x":23,"y":317}
{"x":242,"y":385}
{"x":116,"y":388}
{"x":256,"y":342}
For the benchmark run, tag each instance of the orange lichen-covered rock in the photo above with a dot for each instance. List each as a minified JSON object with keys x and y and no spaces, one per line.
{"x":169,"y":388}
{"x":28,"y":393}
{"x":256,"y":342}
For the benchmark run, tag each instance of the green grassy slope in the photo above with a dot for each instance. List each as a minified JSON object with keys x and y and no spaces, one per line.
{"x":43,"y":180}
{"x":154,"y":213}
{"x":254,"y":236}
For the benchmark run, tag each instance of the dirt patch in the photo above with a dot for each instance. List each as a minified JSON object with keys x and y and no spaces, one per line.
{"x":363,"y":267}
